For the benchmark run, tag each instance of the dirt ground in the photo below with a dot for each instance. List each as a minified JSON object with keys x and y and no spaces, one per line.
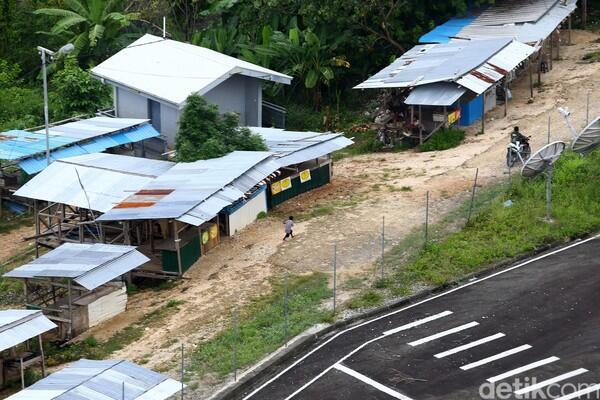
{"x":365,"y":188}
{"x":11,"y":242}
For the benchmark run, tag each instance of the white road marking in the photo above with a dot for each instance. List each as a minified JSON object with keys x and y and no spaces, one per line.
{"x":469,"y":345}
{"x":371,"y":382}
{"x":417,"y":323}
{"x":495,"y":357}
{"x":579,"y":393}
{"x":444,"y":333}
{"x":427,"y":300}
{"x":547,"y":382}
{"x":524,"y":368}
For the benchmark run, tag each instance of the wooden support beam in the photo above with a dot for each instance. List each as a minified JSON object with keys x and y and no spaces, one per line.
{"x":70,"y":329}
{"x":420,"y":126}
{"x":570,"y":43}
{"x":483,"y":113}
{"x":177,"y":248}
{"x":41,"y":344}
{"x":505,"y":98}
{"x":530,"y":79}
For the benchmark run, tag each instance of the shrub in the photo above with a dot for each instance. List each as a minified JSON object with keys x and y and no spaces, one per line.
{"x":204,"y":133}
{"x":261,"y":215}
{"x":443,"y":139}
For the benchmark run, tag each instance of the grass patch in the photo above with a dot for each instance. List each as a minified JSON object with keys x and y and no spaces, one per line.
{"x":592,"y":56}
{"x":261,"y":327}
{"x":443,"y":139}
{"x":261,"y":215}
{"x":367,"y":299}
{"x":406,"y":189}
{"x":497,"y":232}
{"x":95,"y":349}
{"x":10,"y":222}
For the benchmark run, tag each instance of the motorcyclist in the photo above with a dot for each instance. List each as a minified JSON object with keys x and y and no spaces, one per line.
{"x":517,"y":136}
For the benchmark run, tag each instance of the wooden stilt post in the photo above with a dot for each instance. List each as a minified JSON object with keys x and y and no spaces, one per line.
{"x":445,"y":116}
{"x":558,"y":45}
{"x":177,"y":248}
{"x":483,"y":113}
{"x":70,"y":300}
{"x":126,"y":237}
{"x":530,"y":79}
{"x":505,"y":98}
{"x":570,"y":43}
{"x":584,"y":13}
{"x":540,"y":59}
{"x":420,"y":126}
{"x":42,"y":355}
{"x":22,"y":373}
{"x":550,"y":63}
{"x":36,"y":217}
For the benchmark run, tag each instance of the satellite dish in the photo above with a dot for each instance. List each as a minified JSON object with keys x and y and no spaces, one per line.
{"x":543,"y":159}
{"x":543,"y":162}
{"x":589,"y":138}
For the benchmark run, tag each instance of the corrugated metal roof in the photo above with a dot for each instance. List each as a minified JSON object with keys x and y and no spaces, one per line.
{"x":443,"y":33}
{"x":17,"y":326}
{"x":101,"y":380}
{"x":431,"y":63}
{"x":106,"y":178}
{"x":75,"y":138}
{"x":171,"y":70}
{"x":525,"y":31}
{"x":33,"y":165}
{"x":514,"y":12}
{"x":187,"y":185}
{"x":435,"y":94}
{"x":485,"y":76}
{"x":292,"y":147}
{"x":90,"y":265}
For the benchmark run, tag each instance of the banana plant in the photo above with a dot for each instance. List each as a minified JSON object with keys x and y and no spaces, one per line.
{"x":95,"y":27}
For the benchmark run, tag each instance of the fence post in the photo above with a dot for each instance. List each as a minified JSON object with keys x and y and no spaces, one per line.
{"x":182,"y":372}
{"x":285,"y":309}
{"x":382,"y":246}
{"x":473,"y":194}
{"x":549,"y":119}
{"x":334,"y":276}
{"x":427,"y":218}
{"x":235,"y":340}
{"x":587,"y":109}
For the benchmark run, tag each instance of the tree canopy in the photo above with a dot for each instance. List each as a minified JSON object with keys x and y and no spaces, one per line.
{"x":204,"y":133}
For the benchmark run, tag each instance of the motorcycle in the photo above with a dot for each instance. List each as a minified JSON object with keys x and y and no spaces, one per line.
{"x":517,"y":149}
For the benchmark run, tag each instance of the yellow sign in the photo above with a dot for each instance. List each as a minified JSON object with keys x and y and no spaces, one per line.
{"x":286,"y":184}
{"x":454,"y":116}
{"x":275,"y":188}
{"x":204,"y":237}
{"x":214,"y":232}
{"x":305,"y":176}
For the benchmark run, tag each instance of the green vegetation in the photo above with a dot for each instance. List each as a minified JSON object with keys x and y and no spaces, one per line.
{"x":367,"y":299}
{"x":204,"y":133}
{"x":593,"y":56}
{"x":261,"y":215}
{"x":95,"y":349}
{"x":262,"y":325}
{"x":443,"y":139}
{"x":95,"y":27}
{"x":499,"y":232}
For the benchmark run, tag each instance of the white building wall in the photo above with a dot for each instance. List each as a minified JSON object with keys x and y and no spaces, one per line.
{"x":169,"y":122}
{"x":130,"y":104}
{"x":247,"y":213}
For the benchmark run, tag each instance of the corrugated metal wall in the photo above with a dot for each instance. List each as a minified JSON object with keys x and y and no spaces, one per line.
{"x":319,"y":177}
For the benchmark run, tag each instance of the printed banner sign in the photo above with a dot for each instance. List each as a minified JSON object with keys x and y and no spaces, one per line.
{"x":305,"y":176}
{"x":286,"y":184}
{"x":454,"y":116}
{"x":275,"y":188}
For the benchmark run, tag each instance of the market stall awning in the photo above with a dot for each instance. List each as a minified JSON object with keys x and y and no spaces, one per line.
{"x":435,"y":94}
{"x":90,"y":265}
{"x":17,"y":326}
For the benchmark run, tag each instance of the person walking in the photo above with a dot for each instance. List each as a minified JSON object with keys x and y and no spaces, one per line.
{"x":289,"y":228}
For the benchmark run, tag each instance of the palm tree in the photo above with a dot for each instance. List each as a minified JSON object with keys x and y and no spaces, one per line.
{"x":95,"y":27}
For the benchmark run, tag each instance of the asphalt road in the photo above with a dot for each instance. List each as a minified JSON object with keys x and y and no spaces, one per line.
{"x":531,"y":331}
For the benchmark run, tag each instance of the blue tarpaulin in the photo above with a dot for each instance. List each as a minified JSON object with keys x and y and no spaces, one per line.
{"x":29,"y":148}
{"x":443,"y":33}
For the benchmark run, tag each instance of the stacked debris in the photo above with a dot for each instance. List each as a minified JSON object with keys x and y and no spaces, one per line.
{"x":392,"y":120}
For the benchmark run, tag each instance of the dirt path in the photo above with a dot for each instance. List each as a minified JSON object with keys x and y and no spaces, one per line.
{"x":12,"y":242}
{"x":365,"y":188}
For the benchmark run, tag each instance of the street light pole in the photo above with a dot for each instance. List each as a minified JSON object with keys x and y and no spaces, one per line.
{"x":46,"y":122}
{"x":43,"y":53}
